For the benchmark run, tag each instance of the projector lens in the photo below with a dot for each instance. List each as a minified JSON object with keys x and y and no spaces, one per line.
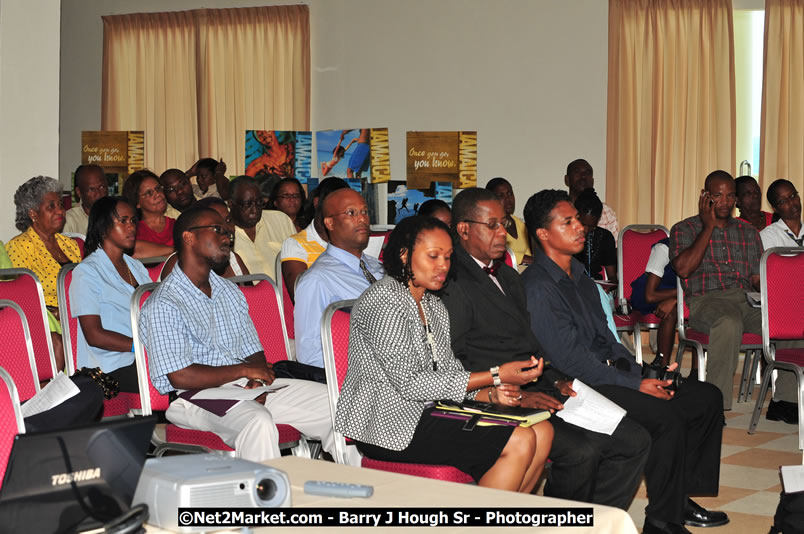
{"x":266,"y":489}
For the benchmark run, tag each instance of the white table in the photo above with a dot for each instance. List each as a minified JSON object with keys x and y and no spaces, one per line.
{"x":392,"y":490}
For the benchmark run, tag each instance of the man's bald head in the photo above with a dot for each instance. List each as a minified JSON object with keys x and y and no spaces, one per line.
{"x":345,"y":218}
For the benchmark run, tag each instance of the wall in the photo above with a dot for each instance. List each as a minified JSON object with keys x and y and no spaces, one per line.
{"x":29,"y":98}
{"x":529,"y":76}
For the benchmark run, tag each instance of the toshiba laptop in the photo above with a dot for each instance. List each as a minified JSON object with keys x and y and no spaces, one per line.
{"x":73,"y":479}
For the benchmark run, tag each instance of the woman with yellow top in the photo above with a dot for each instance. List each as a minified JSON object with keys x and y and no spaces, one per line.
{"x":41,"y":247}
{"x":517,"y":239}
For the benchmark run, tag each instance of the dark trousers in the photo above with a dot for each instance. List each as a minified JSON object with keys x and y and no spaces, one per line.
{"x":127,"y":378}
{"x":685,"y":454}
{"x":84,"y":408}
{"x":597,"y":468}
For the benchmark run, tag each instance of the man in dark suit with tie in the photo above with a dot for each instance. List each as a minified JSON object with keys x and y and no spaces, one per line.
{"x":490,"y":325}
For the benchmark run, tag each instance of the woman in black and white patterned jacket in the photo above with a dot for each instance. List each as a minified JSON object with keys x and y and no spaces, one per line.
{"x":400,"y":358}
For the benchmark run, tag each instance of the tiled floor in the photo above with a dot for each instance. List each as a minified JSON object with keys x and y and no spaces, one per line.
{"x":749,"y":471}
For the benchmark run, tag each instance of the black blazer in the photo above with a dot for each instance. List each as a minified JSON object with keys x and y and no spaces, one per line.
{"x":488,"y":327}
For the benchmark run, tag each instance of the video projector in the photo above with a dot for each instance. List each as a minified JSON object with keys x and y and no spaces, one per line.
{"x":207,"y":481}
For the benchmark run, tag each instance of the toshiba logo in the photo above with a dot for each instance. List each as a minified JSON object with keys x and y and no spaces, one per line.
{"x":76,"y":476}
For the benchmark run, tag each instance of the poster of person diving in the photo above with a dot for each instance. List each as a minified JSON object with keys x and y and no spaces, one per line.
{"x":361,"y":153}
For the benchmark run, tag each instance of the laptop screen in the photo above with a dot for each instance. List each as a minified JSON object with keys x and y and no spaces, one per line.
{"x":73,"y":479}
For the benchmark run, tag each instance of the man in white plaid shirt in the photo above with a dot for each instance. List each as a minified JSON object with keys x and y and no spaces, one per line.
{"x":199,"y":335}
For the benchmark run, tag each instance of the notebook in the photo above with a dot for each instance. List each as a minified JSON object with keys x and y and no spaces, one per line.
{"x":73,"y":479}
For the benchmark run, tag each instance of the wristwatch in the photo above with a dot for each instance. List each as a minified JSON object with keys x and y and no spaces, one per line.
{"x":495,"y":375}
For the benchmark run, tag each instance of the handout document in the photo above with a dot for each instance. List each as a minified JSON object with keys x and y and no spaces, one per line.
{"x":591,"y":410}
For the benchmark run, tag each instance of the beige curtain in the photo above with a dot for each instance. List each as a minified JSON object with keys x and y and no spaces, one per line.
{"x":254,"y":75}
{"x":671,"y":105}
{"x":194,"y":81}
{"x":782,"y":129}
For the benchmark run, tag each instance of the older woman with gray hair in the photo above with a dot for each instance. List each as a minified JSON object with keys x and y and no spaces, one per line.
{"x":41,"y":247}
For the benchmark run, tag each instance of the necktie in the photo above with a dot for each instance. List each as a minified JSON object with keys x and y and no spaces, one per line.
{"x":366,"y":273}
{"x":799,"y":240}
{"x":495,"y":266}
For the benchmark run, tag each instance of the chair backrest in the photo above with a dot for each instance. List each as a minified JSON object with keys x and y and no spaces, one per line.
{"x":287,"y":302}
{"x":17,"y":356}
{"x":153,"y":400}
{"x":633,"y":250}
{"x":509,"y":258}
{"x":335,"y":351}
{"x":11,"y":422}
{"x":23,"y":287}
{"x":780,"y":269}
{"x":69,"y":323}
{"x":682,"y":311}
{"x":265,"y":310}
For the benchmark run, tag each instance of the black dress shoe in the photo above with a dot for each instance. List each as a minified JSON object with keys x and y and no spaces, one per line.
{"x":661,"y":527}
{"x":783,"y":411}
{"x":696,"y":515}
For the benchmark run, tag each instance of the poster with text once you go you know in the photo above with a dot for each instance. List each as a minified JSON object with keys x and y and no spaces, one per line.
{"x":119,"y":153}
{"x":280,"y":153}
{"x":360,"y":153}
{"x":441,"y":157}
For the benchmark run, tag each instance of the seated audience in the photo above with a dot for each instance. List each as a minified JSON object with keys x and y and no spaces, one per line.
{"x":210,"y":178}
{"x":341,"y":272}
{"x":90,"y":185}
{"x":300,"y":250}
{"x":41,"y":247}
{"x":749,"y":202}
{"x":655,"y":292}
{"x":580,"y":177}
{"x":287,"y":196}
{"x":686,"y":425}
{"x":198,"y":333}
{"x":517,"y":239}
{"x":154,"y":228}
{"x":600,"y":249}
{"x":235,"y":267}
{"x":716,"y":256}
{"x":490,"y":325}
{"x":258,"y":234}
{"x":438,"y":209}
{"x":178,"y":191}
{"x":394,"y":370}
{"x":788,"y":230}
{"x":101,"y":289}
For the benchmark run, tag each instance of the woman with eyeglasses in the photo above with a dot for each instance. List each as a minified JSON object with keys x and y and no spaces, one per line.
{"x":101,"y":291}
{"x":788,"y":230}
{"x":41,"y":247}
{"x":288,"y":197}
{"x":154,"y":228}
{"x":400,"y":357}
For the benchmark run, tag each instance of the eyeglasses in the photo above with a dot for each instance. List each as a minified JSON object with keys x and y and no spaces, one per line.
{"x":184,"y":182}
{"x":151,"y":192}
{"x":782,"y":201}
{"x":217,"y":228}
{"x":351,"y":212}
{"x":127,"y":220}
{"x":289,"y":196}
{"x":491,"y":224}
{"x":99,"y":189}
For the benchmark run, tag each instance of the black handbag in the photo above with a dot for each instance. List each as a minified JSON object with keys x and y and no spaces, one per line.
{"x":300,"y":371}
{"x":109,"y":385}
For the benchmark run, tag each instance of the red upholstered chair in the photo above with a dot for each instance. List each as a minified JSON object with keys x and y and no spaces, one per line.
{"x":23,"y":287}
{"x":633,"y":250}
{"x":287,"y":302}
{"x":124,"y":402}
{"x":177,"y":438}
{"x":699,"y":342}
{"x":79,"y":238}
{"x":17,"y":356}
{"x":335,"y":344}
{"x":11,"y":422}
{"x":782,"y":320}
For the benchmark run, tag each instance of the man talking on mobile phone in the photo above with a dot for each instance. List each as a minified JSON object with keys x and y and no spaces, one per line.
{"x":716,"y":256}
